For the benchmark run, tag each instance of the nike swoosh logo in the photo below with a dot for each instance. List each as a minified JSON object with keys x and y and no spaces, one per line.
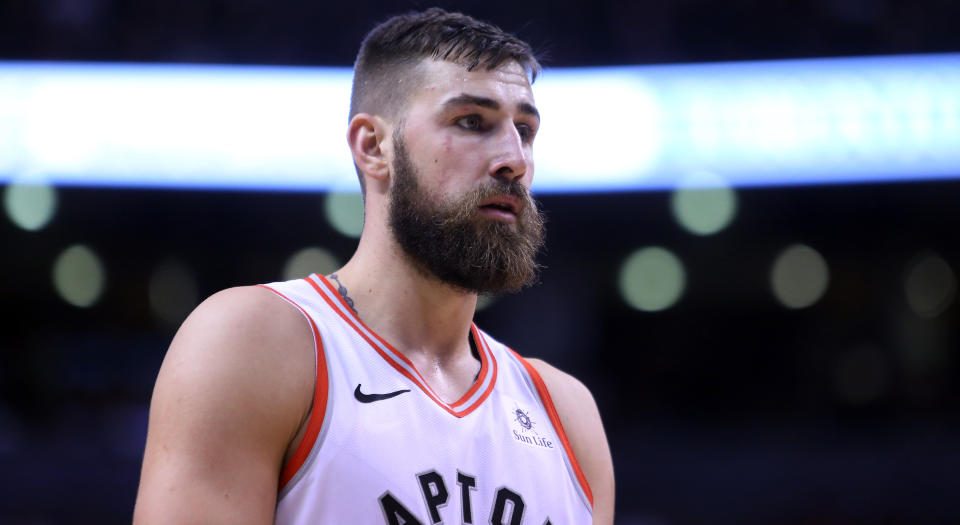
{"x":370,"y":398}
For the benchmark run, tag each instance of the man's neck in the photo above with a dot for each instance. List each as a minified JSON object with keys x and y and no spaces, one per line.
{"x":417,"y":314}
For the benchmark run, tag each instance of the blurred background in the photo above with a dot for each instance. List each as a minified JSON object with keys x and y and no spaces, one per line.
{"x":761,"y":353}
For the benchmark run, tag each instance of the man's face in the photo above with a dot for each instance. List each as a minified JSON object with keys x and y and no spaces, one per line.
{"x":459,"y":198}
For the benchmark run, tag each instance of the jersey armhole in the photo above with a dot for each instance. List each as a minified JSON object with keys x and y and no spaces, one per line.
{"x":318,"y":408}
{"x":554,"y":416}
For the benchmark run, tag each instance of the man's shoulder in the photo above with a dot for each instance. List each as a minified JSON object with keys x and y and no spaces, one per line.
{"x":241,"y":300}
{"x":247,"y":333}
{"x":557,"y":379}
{"x":242,"y":351}
{"x":231,"y":392}
{"x":243,"y":312}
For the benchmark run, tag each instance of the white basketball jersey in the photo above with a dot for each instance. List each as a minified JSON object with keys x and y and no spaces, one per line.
{"x":382,"y":448}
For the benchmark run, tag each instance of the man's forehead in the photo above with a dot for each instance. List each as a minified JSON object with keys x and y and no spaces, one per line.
{"x":507,"y":83}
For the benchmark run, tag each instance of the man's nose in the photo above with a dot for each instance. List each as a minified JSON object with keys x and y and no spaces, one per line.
{"x":512,"y":158}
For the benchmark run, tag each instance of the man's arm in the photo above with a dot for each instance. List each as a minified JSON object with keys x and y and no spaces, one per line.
{"x":231,"y":394}
{"x":581,"y":422}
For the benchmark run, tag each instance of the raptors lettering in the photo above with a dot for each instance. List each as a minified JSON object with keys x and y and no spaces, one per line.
{"x":506,"y":509}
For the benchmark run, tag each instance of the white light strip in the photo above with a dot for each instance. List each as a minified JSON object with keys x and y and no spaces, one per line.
{"x":604,"y":129}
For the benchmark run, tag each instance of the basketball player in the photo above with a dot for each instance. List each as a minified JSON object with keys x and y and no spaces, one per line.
{"x":368,"y":396}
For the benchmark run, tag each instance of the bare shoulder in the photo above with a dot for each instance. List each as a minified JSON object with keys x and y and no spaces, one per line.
{"x":248,"y":339}
{"x":564,"y":388}
{"x":249,"y":319}
{"x":584,"y":428}
{"x":230,"y":396}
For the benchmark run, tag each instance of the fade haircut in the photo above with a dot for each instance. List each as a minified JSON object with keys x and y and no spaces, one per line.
{"x":384,"y":73}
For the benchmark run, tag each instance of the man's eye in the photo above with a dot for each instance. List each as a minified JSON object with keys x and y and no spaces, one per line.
{"x":526,"y":132}
{"x":471,"y":122}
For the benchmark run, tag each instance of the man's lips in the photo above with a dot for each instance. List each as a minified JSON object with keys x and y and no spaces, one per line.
{"x":506,"y":204}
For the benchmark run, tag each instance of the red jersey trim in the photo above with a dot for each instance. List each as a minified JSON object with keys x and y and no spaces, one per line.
{"x":483,"y":367}
{"x":401,"y":363}
{"x":555,"y":419}
{"x":318,"y":410}
{"x":483,"y":349}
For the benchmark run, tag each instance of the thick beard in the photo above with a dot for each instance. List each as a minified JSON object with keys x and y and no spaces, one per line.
{"x":454,"y":243}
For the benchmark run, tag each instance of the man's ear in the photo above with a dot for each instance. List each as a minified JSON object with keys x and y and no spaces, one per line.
{"x":366,"y":136}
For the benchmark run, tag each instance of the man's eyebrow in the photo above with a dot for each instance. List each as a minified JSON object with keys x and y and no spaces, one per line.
{"x":484,"y":102}
{"x":529,"y":109}
{"x":471,"y":100}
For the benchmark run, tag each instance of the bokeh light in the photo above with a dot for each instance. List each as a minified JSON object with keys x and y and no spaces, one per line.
{"x":30,"y":206}
{"x":310,"y":260}
{"x":930,"y":285}
{"x":800,"y":276}
{"x":703,"y":203}
{"x":484,"y":301}
{"x":172,"y":291}
{"x":344,"y":211}
{"x":78,"y":276}
{"x":652,"y":279}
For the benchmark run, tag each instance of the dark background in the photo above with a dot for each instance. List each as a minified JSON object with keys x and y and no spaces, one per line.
{"x":727,"y":408}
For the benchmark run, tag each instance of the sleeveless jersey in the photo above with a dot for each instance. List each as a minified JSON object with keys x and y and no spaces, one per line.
{"x":380,"y":447}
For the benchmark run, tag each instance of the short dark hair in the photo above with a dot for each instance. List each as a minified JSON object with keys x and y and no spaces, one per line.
{"x":392,"y":48}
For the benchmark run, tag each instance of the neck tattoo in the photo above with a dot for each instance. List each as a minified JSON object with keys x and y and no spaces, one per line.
{"x":342,"y":290}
